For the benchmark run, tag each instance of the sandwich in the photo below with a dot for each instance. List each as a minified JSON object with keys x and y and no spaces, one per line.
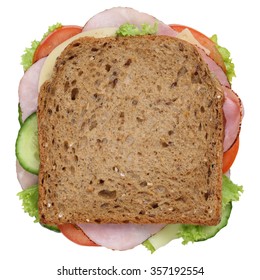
{"x":131,"y":128}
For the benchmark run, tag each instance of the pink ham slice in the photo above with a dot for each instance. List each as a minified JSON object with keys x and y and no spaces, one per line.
{"x":119,"y":15}
{"x":120,"y":236}
{"x":233,"y":112}
{"x":25,"y":178}
{"x":28,"y":89}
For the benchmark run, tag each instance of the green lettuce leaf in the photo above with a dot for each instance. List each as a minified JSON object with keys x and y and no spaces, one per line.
{"x":230,"y":192}
{"x":29,"y":199}
{"x":129,"y":29}
{"x":27,"y":57}
{"x":230,"y":67}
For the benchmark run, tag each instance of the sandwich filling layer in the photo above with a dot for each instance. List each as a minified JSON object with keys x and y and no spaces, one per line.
{"x":130,"y":131}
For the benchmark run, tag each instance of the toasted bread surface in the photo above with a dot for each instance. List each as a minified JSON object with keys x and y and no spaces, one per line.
{"x":130,"y":131}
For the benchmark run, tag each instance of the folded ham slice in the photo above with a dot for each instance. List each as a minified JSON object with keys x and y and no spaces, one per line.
{"x":233,"y":112}
{"x":25,"y":178}
{"x":120,"y":236}
{"x":117,"y":16}
{"x":28,"y":89}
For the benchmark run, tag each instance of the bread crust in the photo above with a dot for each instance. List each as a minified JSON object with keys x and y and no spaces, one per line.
{"x":130,"y":131}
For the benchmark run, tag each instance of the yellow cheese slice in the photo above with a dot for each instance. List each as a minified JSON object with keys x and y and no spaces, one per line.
{"x":186,"y":35}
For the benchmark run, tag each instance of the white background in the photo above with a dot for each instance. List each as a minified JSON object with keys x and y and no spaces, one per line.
{"x":30,"y":252}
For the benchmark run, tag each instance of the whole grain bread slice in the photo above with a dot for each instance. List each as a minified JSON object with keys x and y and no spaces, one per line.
{"x":130,"y":131}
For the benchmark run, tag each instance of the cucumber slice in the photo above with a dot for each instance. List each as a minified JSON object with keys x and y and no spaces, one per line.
{"x":27,"y":147}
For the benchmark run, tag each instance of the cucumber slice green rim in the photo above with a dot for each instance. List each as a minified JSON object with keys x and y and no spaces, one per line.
{"x":51,"y":227}
{"x":20,"y":114}
{"x":27,"y":147}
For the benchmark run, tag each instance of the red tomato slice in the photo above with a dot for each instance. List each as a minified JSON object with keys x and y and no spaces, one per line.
{"x":229,"y":156}
{"x":54,"y":39}
{"x":76,"y":235}
{"x":205,"y":42}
